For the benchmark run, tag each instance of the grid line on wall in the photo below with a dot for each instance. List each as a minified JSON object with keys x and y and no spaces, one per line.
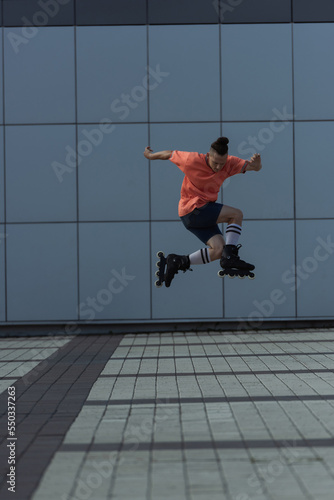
{"x":221,"y":133}
{"x":77,"y":168}
{"x":149,"y":162}
{"x":75,"y":12}
{"x":246,"y":23}
{"x":324,"y":120}
{"x":114,"y":221}
{"x":294,"y":164}
{"x":4,"y":164}
{"x":291,"y":10}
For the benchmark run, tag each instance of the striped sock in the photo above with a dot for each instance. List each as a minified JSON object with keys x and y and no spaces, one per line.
{"x":232,"y":232}
{"x":200,"y":257}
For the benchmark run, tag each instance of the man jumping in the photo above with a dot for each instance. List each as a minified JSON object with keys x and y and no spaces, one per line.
{"x":199,"y":210}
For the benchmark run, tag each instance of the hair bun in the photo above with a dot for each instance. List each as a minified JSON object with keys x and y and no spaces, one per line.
{"x":223,"y":141}
{"x":220,"y":145}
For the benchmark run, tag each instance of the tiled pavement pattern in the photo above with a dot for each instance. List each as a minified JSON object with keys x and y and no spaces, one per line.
{"x":20,"y":356}
{"x":181,"y":416}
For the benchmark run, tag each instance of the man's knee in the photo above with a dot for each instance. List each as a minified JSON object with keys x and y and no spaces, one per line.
{"x":217,"y":254}
{"x":238,"y":214}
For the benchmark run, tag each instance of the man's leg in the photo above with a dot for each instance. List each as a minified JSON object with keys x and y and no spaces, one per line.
{"x":216,"y":246}
{"x":230,"y":215}
{"x":233,"y":217}
{"x":230,"y":257}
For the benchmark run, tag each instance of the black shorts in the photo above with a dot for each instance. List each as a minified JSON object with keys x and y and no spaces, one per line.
{"x":202,"y":222}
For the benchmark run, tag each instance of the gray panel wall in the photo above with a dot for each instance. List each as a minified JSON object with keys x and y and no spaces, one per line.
{"x":88,"y":84}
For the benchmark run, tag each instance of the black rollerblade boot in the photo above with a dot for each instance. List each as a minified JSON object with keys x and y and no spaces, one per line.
{"x":175,"y":263}
{"x":232,"y":265}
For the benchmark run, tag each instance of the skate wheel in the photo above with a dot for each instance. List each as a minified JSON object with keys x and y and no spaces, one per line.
{"x":157,"y":273}
{"x":158,"y":284}
{"x":221,"y":274}
{"x":231,"y":276}
{"x":241,"y":277}
{"x":160,"y":254}
{"x":158,"y":264}
{"x":251,"y":276}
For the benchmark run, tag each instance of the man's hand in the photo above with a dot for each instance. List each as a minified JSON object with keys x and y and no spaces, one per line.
{"x":148,"y":152}
{"x":254,"y":163}
{"x":161,"y":155}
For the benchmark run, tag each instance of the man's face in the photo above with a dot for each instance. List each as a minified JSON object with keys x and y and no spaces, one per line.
{"x":216,"y":161}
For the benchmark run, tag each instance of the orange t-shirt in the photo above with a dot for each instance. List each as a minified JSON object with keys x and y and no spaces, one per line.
{"x":201,"y":184}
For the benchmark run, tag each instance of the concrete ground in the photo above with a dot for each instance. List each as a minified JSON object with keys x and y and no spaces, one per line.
{"x":177,"y":416}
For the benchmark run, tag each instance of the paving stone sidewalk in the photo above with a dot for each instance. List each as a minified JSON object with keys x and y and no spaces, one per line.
{"x":177,"y":416}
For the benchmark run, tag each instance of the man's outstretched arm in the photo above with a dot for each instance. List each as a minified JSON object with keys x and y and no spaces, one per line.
{"x":160,"y":155}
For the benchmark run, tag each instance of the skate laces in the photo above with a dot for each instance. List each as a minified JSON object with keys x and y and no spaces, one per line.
{"x":237,"y":250}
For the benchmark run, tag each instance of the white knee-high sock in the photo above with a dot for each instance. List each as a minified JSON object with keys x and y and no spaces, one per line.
{"x":232,"y":232}
{"x":200,"y":257}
